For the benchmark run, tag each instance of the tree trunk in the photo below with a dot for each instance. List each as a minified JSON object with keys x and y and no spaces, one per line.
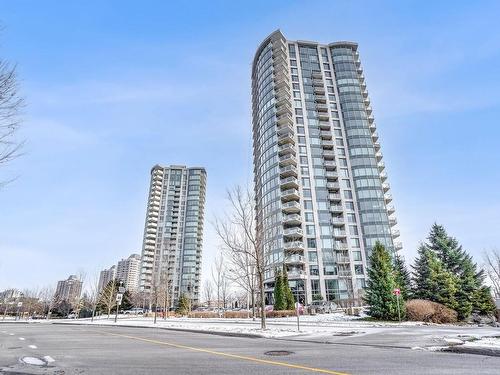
{"x":253,"y":304}
{"x":262,"y":303}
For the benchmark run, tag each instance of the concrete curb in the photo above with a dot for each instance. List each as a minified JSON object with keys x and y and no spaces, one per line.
{"x":215,"y":333}
{"x":472,"y":350}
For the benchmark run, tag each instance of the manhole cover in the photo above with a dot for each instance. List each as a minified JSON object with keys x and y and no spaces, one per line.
{"x":277,"y":353}
{"x":33,"y":361}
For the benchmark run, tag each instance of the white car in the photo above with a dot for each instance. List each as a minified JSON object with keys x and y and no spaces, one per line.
{"x":324,"y":306}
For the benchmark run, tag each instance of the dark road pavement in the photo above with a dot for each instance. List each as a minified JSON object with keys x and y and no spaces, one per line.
{"x":68,"y":349}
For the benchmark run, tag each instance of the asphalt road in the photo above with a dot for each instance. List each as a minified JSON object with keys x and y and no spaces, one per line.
{"x":121,"y":350}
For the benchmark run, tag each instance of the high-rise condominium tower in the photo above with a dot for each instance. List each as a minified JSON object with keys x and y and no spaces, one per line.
{"x":321,"y":190}
{"x":127,"y":271}
{"x":173,"y":234}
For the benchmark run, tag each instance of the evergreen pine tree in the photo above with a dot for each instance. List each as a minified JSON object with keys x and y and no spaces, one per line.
{"x":183,"y":305}
{"x":483,"y":301}
{"x":289,"y":298}
{"x":442,"y":283}
{"x":380,"y":285}
{"x":402,"y":277}
{"x":421,"y":274}
{"x":279,"y":297}
{"x":455,"y":267}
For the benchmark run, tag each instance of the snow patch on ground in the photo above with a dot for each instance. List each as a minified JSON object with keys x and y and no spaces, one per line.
{"x":33,"y":361}
{"x":485,"y":342}
{"x":32,"y":346}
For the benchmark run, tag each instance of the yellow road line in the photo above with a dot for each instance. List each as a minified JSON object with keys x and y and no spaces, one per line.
{"x":236,"y":356}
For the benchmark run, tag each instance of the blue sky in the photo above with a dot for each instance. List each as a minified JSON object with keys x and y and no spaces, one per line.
{"x":113,"y":88}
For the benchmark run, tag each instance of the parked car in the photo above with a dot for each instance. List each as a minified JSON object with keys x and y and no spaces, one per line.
{"x":323,"y":307}
{"x":72,"y":316}
{"x":134,"y":311}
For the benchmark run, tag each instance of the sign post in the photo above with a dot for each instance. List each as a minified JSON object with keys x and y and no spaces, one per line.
{"x":297,"y":305}
{"x":119,"y":297}
{"x":397,"y":293}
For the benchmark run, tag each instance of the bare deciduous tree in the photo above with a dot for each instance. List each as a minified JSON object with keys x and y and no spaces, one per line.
{"x":208,"y":291}
{"x":10,"y":105}
{"x":219,"y":277}
{"x":241,"y":240}
{"x":492,"y":268}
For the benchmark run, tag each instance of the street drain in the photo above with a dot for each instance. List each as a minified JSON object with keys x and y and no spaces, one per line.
{"x":278,"y":353}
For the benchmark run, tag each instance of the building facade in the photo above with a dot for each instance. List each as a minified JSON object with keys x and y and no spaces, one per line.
{"x":322,"y":196}
{"x":173,"y":233}
{"x":69,"y":290}
{"x":127,"y":271}
{"x":105,"y":277}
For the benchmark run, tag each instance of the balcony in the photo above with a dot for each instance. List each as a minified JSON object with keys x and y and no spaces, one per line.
{"x":317,"y":74}
{"x":287,"y":160}
{"x":284,"y":119}
{"x":320,"y":98}
{"x":293,"y":246}
{"x":333,"y":186}
{"x":285,"y":138}
{"x":283,"y":108}
{"x":290,"y":207}
{"x":383,"y":176}
{"x":289,"y":182}
{"x":324,"y":125}
{"x":340,"y":234}
{"x":323,"y":116}
{"x":325,"y":134}
{"x":329,"y":164}
{"x":376,"y":145}
{"x":293,"y":219}
{"x":285,"y":128}
{"x":386,"y":187}
{"x":390,"y":209}
{"x":373,"y":127}
{"x":296,"y":274}
{"x":286,"y":149}
{"x":371,"y":118}
{"x":338,"y":220}
{"x":392,"y":221}
{"x":398,"y":246}
{"x":321,"y":107}
{"x":369,"y":110}
{"x":381,"y":165}
{"x":292,"y":232}
{"x":328,"y":154}
{"x":281,"y":82}
{"x":319,"y":90}
{"x":365,"y":93}
{"x":344,"y":273}
{"x":374,"y":136}
{"x":288,"y":171}
{"x":388,"y":198}
{"x":343,"y":259}
{"x":341,"y":246}
{"x":284,"y":91}
{"x":327,"y":144}
{"x":395,"y":233}
{"x":378,"y":155}
{"x":290,"y":194}
{"x":331,"y":175}
{"x":336,"y":208}
{"x":295,"y":259}
{"x":317,"y":82}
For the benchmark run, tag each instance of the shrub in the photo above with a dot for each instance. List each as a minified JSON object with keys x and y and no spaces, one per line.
{"x":428,"y":311}
{"x":203,"y":314}
{"x":237,"y":314}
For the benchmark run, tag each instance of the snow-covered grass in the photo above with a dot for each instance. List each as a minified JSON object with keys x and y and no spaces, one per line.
{"x":485,"y":342}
